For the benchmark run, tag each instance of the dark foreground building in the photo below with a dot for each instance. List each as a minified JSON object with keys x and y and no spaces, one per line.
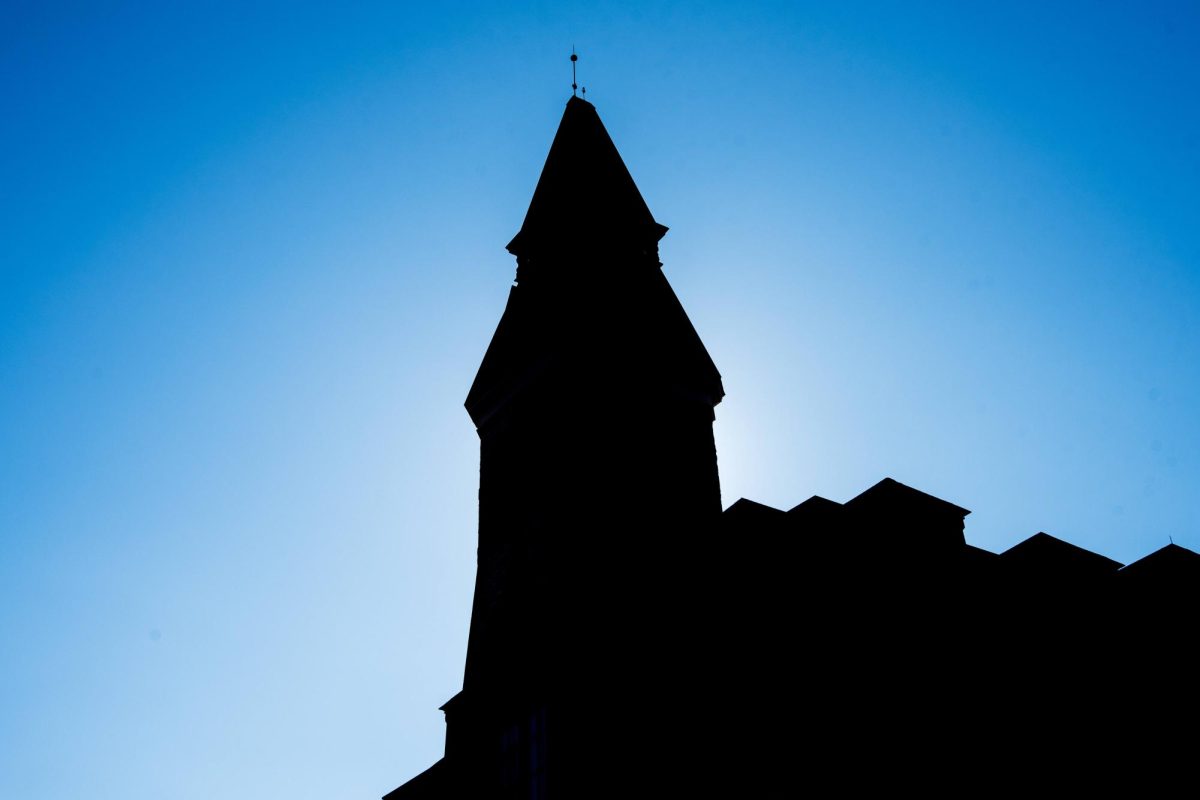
{"x":630,"y":639}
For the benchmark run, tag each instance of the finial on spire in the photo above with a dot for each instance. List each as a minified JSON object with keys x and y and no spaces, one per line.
{"x":574,"y":85}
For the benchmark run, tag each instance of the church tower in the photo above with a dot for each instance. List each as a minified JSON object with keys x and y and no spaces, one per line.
{"x":628,"y":639}
{"x":598,"y":475}
{"x":594,"y":402}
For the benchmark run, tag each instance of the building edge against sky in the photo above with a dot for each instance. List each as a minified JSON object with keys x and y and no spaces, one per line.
{"x":588,"y":598}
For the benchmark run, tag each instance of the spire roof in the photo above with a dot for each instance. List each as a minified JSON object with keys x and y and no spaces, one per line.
{"x":585,"y":190}
{"x":591,"y":310}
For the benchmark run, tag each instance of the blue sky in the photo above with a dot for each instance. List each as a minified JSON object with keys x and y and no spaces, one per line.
{"x":251,"y":255}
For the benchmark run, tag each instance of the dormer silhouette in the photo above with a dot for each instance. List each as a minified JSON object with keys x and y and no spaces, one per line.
{"x":1044,"y":561}
{"x":1171,"y":567}
{"x":1160,"y":589}
{"x":896,"y":517}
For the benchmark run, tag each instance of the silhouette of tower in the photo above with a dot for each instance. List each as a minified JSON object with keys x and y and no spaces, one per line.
{"x":629,"y":639}
{"x":594,"y":407}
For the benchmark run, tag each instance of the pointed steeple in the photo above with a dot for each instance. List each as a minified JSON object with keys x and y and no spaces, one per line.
{"x":590,"y":305}
{"x":585,"y":191}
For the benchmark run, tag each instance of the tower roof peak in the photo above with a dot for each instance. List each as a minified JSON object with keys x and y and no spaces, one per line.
{"x":585,"y":191}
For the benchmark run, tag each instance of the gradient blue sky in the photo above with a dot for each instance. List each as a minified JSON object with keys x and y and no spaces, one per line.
{"x":251,"y":255}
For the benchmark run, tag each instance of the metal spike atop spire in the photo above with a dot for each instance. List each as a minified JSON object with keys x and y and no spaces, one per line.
{"x":574,"y":85}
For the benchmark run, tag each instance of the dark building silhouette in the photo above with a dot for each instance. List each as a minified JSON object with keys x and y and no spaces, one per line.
{"x":628,"y":638}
